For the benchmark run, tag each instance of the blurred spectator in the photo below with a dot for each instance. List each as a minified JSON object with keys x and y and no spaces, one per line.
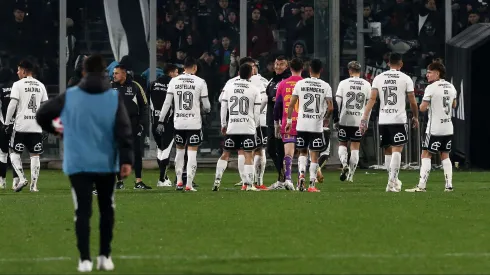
{"x":180,"y":57}
{"x":260,"y":39}
{"x":231,"y":28}
{"x":223,"y":58}
{"x":184,"y":14}
{"x":208,"y":70}
{"x":431,"y":32}
{"x":193,"y":49}
{"x":473,"y":18}
{"x":167,"y":27}
{"x":305,"y":28}
{"x":290,"y":14}
{"x":221,"y":12}
{"x":268,"y":71}
{"x":268,"y":11}
{"x":204,"y":21}
{"x":399,"y":21}
{"x":18,"y":37}
{"x":300,"y":50}
{"x":179,"y":35}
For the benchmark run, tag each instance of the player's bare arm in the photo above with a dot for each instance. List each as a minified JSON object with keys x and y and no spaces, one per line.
{"x":367,"y":111}
{"x":424,"y":106}
{"x":414,"y":108}
{"x":294,"y":100}
{"x":206,"y":105}
{"x":224,"y":113}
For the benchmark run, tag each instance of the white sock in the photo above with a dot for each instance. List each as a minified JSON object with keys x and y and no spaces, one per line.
{"x":220,"y":169}
{"x":448,"y":172}
{"x":424,"y":172}
{"x":257,"y":163}
{"x":302,"y":160}
{"x":248,"y":174}
{"x":313,"y":168}
{"x":191,"y":167}
{"x":263,"y":163}
{"x":387,"y":163}
{"x":35,"y":167}
{"x":354,"y":160}
{"x":343,"y":155}
{"x":396,"y":160}
{"x":17,"y":165}
{"x":241,"y":164}
{"x":179,"y":164}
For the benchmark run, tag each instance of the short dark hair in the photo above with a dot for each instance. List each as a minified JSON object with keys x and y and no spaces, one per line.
{"x":316,"y":66}
{"x":95,"y":64}
{"x":26,"y":65}
{"x":395,"y":58}
{"x":354,"y":66}
{"x":281,"y":58}
{"x":247,"y":59}
{"x":245,"y":71}
{"x":438,"y":66}
{"x":121,"y":67}
{"x":170,"y":68}
{"x":296,"y":65}
{"x":190,"y":62}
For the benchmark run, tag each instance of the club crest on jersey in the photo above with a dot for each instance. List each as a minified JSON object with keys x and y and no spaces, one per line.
{"x":194,"y":139}
{"x":435,"y":146}
{"x":179,"y":139}
{"x":318,"y":143}
{"x":399,"y":137}
{"x":129,"y":91}
{"x":229,"y":143}
{"x":342,"y":133}
{"x":248,"y":143}
{"x":300,"y":142}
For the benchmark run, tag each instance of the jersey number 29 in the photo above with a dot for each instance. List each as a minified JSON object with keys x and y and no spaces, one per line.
{"x":32,"y":103}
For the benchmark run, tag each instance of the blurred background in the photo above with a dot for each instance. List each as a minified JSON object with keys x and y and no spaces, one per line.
{"x":147,"y":34}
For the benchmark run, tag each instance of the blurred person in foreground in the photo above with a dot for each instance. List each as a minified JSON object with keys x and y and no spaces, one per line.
{"x":98,"y":142}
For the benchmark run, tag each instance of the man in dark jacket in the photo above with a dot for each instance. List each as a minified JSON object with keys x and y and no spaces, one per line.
{"x":96,"y":130}
{"x":275,"y":147}
{"x":157,"y":93}
{"x":137,"y":106}
{"x":5,"y":89}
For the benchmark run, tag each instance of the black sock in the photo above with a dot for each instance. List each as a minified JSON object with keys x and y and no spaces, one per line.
{"x":163,"y":169}
{"x":3,"y":170}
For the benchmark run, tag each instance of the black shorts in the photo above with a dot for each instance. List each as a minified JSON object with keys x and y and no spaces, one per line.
{"x":21,"y":140}
{"x":188,"y":137}
{"x":313,"y":141}
{"x":163,"y":141}
{"x":261,"y":137}
{"x":349,"y":133}
{"x":236,"y":142}
{"x":5,"y":139}
{"x":393,"y":135}
{"x":435,"y":144}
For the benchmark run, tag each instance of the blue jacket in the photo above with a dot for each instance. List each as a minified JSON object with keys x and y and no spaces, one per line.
{"x":97,"y":131}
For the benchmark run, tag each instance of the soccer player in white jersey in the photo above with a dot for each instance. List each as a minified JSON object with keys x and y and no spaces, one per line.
{"x":315,"y":97}
{"x":352,"y":95}
{"x":439,"y":99}
{"x":186,"y":92}
{"x":225,"y":156}
{"x":393,"y":87}
{"x":26,"y":96}
{"x":241,"y":100}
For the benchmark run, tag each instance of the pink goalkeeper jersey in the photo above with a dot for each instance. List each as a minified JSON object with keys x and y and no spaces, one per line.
{"x":283,"y":98}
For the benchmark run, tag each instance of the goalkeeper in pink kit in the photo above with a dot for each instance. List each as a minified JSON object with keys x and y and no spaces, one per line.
{"x":283,"y":98}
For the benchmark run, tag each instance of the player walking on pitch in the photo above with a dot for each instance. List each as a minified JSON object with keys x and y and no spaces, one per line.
{"x":352,"y":95}
{"x":26,"y":96}
{"x":393,"y":87}
{"x":242,"y":101}
{"x":315,"y":104}
{"x":158,"y":93}
{"x":283,"y":101}
{"x":439,"y":99}
{"x":186,"y":92}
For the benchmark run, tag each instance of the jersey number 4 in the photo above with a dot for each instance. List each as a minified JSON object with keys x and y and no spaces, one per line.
{"x":32,"y":103}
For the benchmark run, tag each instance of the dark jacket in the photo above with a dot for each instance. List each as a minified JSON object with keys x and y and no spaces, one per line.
{"x":271,"y":94}
{"x":134,"y":100}
{"x":157,"y":94}
{"x":97,"y":130}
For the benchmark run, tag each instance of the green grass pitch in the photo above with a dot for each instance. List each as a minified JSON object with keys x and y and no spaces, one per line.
{"x":346,"y":229}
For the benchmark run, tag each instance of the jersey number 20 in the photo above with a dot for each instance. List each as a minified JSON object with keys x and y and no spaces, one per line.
{"x":32,"y":103}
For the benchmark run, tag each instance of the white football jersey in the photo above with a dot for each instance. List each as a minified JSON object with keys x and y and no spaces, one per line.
{"x":313,"y":94}
{"x":30,"y":93}
{"x":187,"y":91}
{"x":441,"y":95}
{"x":261,"y":84}
{"x":393,"y":87}
{"x":354,"y":92}
{"x":242,"y":96}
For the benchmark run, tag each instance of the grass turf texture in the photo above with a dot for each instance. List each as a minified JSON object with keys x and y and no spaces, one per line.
{"x":346,"y":229}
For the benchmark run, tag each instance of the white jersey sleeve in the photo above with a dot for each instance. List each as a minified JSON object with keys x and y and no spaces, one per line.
{"x":440,"y":95}
{"x":354,"y":92}
{"x":393,"y":87}
{"x":187,"y":91}
{"x":312,"y":94}
{"x":261,"y":84}
{"x":242,"y":96}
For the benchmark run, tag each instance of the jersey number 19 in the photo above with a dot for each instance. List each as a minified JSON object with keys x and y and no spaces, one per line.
{"x":185,"y":100}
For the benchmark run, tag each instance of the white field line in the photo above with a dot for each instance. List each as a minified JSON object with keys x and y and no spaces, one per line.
{"x":261,"y":257}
